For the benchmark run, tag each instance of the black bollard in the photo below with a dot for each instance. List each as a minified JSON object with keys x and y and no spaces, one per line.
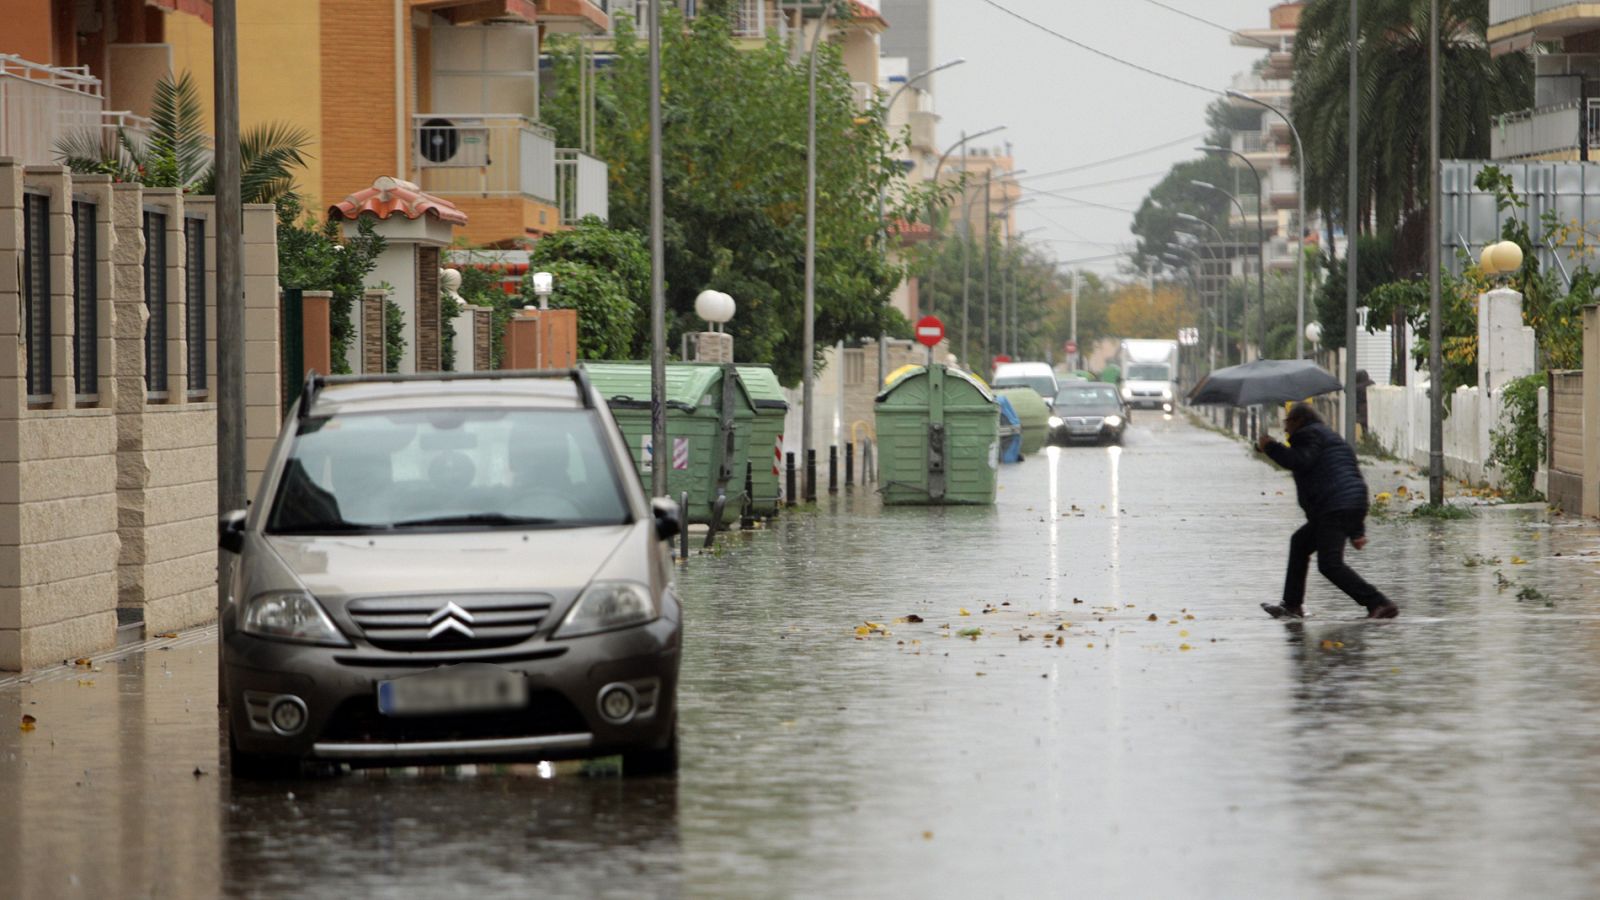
{"x":833,"y":468}
{"x":850,"y":464}
{"x":747,"y":515}
{"x":789,"y":473}
{"x":811,"y":475}
{"x":683,"y":531}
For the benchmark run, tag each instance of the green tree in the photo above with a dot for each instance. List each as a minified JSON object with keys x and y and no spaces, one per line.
{"x":734,"y":164}
{"x":317,"y":257}
{"x":1393,"y":60}
{"x":176,"y":153}
{"x":604,"y":273}
{"x":1157,"y":221}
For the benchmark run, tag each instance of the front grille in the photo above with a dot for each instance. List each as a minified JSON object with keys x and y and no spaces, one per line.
{"x":357,"y":720}
{"x":405,"y":623}
{"x":1085,"y":423}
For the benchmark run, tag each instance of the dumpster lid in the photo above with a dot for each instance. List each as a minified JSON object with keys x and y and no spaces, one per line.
{"x":627,"y":384}
{"x":906,"y":373}
{"x":763,"y":386}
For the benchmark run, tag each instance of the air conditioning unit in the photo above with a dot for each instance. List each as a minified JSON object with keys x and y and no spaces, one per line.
{"x":452,"y":143}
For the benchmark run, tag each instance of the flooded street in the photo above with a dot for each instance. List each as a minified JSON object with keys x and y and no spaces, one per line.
{"x":1127,"y":722}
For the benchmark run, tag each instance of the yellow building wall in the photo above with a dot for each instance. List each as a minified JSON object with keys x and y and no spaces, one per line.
{"x":280,"y":72}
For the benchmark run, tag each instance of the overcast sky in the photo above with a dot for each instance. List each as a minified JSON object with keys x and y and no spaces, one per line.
{"x":1065,"y":107}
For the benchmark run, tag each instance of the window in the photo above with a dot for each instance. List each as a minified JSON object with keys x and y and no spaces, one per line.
{"x":155,"y":300}
{"x":194,"y":301}
{"x":448,"y":469}
{"x":85,"y":293}
{"x":855,"y":366}
{"x":36,"y":292}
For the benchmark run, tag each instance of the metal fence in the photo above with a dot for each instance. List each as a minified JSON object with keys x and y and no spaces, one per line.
{"x":1548,"y":129}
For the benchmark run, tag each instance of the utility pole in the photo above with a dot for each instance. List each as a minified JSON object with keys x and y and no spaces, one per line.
{"x":988,"y":245}
{"x":1435,"y":353}
{"x":1077,"y":354}
{"x":661,"y":453}
{"x":230,"y":288}
{"x":1353,"y":227}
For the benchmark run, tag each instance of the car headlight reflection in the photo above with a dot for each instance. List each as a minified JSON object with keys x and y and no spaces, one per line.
{"x":1113,"y":421}
{"x":608,"y":605}
{"x":1056,"y":422}
{"x":290,"y":616}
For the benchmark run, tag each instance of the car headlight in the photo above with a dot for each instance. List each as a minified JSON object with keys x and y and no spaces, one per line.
{"x":1166,"y":393}
{"x":1113,"y":421}
{"x":1056,"y":422}
{"x":607,"y":605}
{"x":290,"y":616}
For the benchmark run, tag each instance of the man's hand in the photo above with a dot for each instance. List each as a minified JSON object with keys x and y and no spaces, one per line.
{"x":1359,"y":543}
{"x":1263,"y":441}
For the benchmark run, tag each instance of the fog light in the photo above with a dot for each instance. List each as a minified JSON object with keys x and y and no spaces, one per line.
{"x":288,"y":715}
{"x":618,"y":703}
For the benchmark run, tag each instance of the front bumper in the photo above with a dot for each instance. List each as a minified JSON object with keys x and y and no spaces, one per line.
{"x":338,"y":687}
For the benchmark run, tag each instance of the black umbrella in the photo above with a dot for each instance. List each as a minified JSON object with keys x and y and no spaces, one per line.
{"x":1264,"y":381}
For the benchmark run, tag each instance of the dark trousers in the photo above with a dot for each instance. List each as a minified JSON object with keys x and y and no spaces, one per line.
{"x":1326,"y":536}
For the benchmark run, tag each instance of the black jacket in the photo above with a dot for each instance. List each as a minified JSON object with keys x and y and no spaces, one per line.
{"x":1327,"y":478}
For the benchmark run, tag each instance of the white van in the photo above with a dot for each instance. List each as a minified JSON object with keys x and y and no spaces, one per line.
{"x":1037,"y":375}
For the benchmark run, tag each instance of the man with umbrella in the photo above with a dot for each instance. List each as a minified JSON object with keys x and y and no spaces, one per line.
{"x":1330,"y":489}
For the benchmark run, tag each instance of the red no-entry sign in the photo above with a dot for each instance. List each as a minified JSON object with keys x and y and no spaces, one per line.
{"x":1072,"y":346}
{"x":930,"y":331}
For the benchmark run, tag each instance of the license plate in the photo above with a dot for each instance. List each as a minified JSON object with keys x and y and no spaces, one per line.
{"x":458,"y":689}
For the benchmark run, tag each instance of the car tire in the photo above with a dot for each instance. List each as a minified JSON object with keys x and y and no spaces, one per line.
{"x":259,"y":766}
{"x":647,"y":762}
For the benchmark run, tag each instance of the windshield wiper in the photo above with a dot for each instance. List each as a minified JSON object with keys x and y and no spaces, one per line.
{"x":470,"y":519}
{"x":340,"y":527}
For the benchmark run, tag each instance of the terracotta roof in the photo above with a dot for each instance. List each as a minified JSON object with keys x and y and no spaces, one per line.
{"x":911,"y":232}
{"x":198,"y":8}
{"x":865,"y":13}
{"x":388,"y":196}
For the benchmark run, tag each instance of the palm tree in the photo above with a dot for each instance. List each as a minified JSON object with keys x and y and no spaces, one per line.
{"x":176,"y":152}
{"x":1394,"y":99}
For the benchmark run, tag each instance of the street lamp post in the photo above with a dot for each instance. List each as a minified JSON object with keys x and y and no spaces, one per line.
{"x":1435,"y":360}
{"x":1261,"y":267}
{"x":658,"y":256}
{"x":938,"y":168}
{"x":1300,"y":226}
{"x":1261,"y":232}
{"x":883,"y":197}
{"x":1223,"y":293}
{"x":809,"y":343}
{"x":1353,"y":225}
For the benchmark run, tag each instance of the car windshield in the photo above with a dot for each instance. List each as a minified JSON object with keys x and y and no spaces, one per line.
{"x":1041,"y":384}
{"x":1086,"y":396}
{"x":444,"y":469}
{"x":1147,"y":372}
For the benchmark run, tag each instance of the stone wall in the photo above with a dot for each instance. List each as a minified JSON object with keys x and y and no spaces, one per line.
{"x":108,"y":490}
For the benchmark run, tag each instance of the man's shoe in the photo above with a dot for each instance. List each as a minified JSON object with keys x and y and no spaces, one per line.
{"x":1284,"y":612}
{"x":1383,"y":610}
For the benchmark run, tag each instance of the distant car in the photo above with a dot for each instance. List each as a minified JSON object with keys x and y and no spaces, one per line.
{"x":450,"y":569}
{"x":1037,"y":375}
{"x":1088,"y":412}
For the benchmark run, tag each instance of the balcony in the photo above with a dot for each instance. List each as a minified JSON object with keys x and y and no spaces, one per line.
{"x":1517,"y":24}
{"x":1550,"y":132}
{"x":924,"y":131}
{"x":485,"y":156}
{"x":581,"y":186}
{"x":1273,"y":91}
{"x":40,"y":105}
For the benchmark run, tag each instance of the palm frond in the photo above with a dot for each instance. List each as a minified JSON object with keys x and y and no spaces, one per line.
{"x":178,"y":142}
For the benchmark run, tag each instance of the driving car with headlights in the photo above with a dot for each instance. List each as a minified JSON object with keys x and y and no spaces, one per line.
{"x":1088,"y":412}
{"x":455,"y":568}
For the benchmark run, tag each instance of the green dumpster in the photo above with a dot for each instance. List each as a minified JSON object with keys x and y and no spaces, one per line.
{"x":766,"y":437}
{"x":709,"y":414}
{"x":938,"y":438}
{"x":1033,"y":412}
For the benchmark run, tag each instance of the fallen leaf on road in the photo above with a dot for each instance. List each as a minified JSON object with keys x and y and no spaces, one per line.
{"x":85,"y":682}
{"x":969,"y":632}
{"x":1060,"y":641}
{"x":167,"y":634}
{"x":83,"y":662}
{"x":1183,"y":634}
{"x":1152,"y":618}
{"x":963,"y":612}
{"x":1518,"y":561}
{"x":1091,"y":646}
{"x":1185,"y":647}
{"x":863,"y":630}
{"x":927,"y":835}
{"x":981,"y":674}
{"x":913,"y":618}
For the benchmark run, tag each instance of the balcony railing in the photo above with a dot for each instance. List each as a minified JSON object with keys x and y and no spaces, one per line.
{"x":40,"y":105}
{"x":1256,"y":142}
{"x":1545,"y":131}
{"x":486,"y":156}
{"x":582,"y":187}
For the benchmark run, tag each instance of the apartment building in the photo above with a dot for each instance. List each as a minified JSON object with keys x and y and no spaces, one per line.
{"x":1564,"y":123}
{"x":1269,"y":145}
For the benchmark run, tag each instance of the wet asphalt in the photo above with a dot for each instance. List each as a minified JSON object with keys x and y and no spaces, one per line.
{"x":1124,"y":721}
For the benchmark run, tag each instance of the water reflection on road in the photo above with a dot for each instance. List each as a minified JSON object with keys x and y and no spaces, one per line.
{"x":1127,"y":723}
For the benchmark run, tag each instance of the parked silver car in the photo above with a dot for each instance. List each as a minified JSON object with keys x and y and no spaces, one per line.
{"x":451,"y":568}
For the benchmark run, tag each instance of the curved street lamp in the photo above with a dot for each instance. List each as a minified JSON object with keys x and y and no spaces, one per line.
{"x":1261,"y":268}
{"x":1222,"y":296}
{"x":1261,"y":232}
{"x":1300,"y":226}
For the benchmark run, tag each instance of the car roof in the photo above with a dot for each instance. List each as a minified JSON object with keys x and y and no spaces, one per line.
{"x":337,"y":395}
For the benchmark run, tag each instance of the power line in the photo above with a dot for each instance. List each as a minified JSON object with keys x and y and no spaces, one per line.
{"x":1078,"y":200}
{"x":1186,"y":139}
{"x":1204,"y":21}
{"x":1111,"y":181}
{"x":1103,"y":54}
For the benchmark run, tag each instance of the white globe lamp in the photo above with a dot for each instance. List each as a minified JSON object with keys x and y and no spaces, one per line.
{"x":715,"y":307}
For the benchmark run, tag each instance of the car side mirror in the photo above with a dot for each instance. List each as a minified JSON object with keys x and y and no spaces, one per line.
{"x":230,"y":531}
{"x":668,"y":521}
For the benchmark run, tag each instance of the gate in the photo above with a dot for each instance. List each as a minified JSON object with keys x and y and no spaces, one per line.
{"x":1566,"y":441}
